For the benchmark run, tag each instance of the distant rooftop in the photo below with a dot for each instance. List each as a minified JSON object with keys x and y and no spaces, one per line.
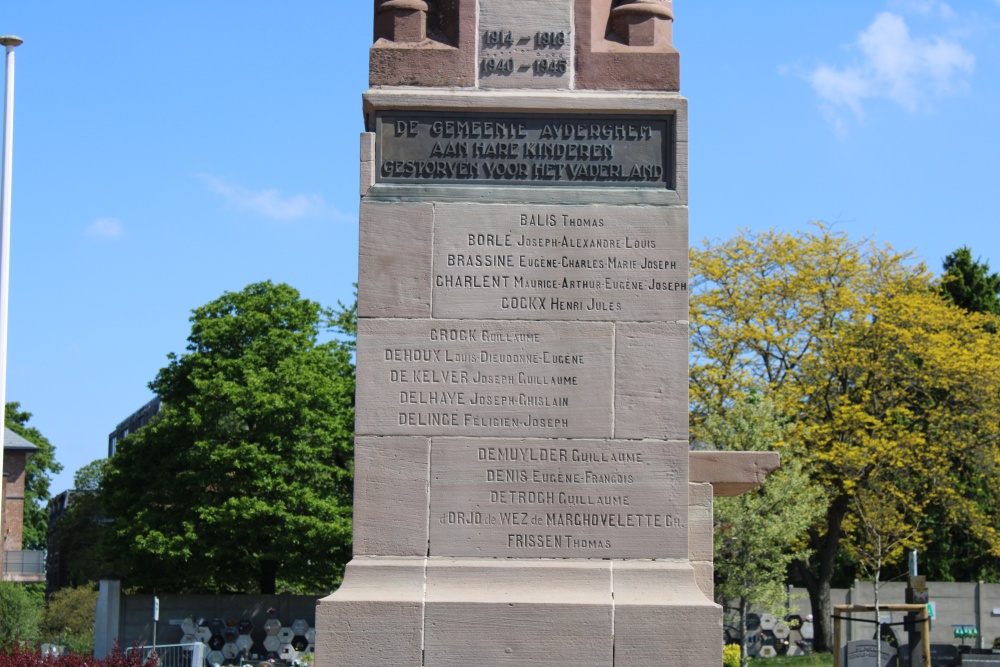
{"x":15,"y":443}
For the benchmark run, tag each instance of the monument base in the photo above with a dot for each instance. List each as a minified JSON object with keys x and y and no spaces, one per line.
{"x":444,"y":612}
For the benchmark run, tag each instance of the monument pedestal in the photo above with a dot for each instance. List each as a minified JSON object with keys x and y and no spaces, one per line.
{"x":460,"y":612}
{"x":523,"y":492}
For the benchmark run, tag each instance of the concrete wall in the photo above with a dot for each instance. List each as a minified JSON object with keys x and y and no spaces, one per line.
{"x":137,"y":613}
{"x":954,"y":602}
{"x":129,"y":618}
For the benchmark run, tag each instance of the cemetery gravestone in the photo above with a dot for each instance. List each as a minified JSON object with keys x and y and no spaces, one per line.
{"x":864,"y":653}
{"x":522,"y":478}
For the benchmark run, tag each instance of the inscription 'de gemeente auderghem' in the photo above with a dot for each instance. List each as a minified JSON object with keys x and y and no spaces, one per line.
{"x":528,"y":149}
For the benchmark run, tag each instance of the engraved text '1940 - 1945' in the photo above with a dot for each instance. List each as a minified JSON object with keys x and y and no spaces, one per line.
{"x":513,"y":149}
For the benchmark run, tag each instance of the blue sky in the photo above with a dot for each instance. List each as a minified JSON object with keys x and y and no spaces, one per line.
{"x":168,"y":152}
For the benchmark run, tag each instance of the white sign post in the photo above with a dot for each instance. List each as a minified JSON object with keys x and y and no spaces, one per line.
{"x":156,"y":617}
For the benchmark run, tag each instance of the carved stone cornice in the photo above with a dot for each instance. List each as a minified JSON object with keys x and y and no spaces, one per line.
{"x":402,"y":21}
{"x":636,"y":22}
{"x":644,"y":8}
{"x":408,"y":5}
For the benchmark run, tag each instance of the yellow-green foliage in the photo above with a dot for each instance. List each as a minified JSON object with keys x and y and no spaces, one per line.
{"x":889,"y":390}
{"x":731,"y":655}
{"x":887,"y":385}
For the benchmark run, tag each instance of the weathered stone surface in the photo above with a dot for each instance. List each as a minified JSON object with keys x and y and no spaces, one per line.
{"x":446,"y":58}
{"x":681,"y":179}
{"x":732,"y":473}
{"x":516,"y":37}
{"x":651,"y":390}
{"x":402,"y":21}
{"x":375,"y":617}
{"x":605,"y":63}
{"x":588,"y":104}
{"x":560,"y":262}
{"x":394,"y":265}
{"x":367,"y":162}
{"x":663,"y":618}
{"x":541,"y":101}
{"x":544,"y":613}
{"x":704,"y":576}
{"x":700,"y":525}
{"x":559,"y":499}
{"x":522,"y":474}
{"x":391,"y":496}
{"x":643,"y":22}
{"x":865,"y":653}
{"x":484,"y":378}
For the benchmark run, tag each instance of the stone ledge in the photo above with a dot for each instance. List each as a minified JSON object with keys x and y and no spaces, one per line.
{"x":732,"y":473}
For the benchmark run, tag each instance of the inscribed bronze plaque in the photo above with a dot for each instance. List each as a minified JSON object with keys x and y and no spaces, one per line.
{"x":525,"y":149}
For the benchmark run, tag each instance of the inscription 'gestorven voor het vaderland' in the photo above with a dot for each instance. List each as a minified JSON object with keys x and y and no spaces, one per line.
{"x":512,"y":149}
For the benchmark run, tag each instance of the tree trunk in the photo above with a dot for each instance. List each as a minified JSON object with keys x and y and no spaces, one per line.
{"x":268,"y":577}
{"x":744,"y":608}
{"x":878,"y":617}
{"x":817,"y":574}
{"x":822,"y":622}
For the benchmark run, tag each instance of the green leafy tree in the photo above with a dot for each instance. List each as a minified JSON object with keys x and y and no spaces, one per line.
{"x":969,"y":283}
{"x":80,"y":534}
{"x":245,"y":476}
{"x":89,"y":477}
{"x":36,"y":476}
{"x":20,"y":612}
{"x":69,"y":619}
{"x":345,"y":320}
{"x":951,"y":554}
{"x":759,"y":533}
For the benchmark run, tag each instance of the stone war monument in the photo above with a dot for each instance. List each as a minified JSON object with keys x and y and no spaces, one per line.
{"x":524,"y":490}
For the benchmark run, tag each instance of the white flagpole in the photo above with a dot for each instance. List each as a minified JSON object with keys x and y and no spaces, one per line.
{"x":10,"y":43}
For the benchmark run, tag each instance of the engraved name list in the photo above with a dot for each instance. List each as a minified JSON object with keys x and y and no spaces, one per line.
{"x":585,"y":498}
{"x":559,"y":263}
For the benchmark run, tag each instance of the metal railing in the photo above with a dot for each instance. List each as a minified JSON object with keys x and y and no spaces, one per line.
{"x":24,"y":562}
{"x":175,"y":655}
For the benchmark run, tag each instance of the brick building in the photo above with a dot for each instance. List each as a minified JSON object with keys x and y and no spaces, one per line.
{"x":15,"y":563}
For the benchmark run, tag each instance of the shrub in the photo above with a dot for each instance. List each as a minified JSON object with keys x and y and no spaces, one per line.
{"x":731,"y":655}
{"x":16,"y":655}
{"x":19,"y":614}
{"x":69,"y":619}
